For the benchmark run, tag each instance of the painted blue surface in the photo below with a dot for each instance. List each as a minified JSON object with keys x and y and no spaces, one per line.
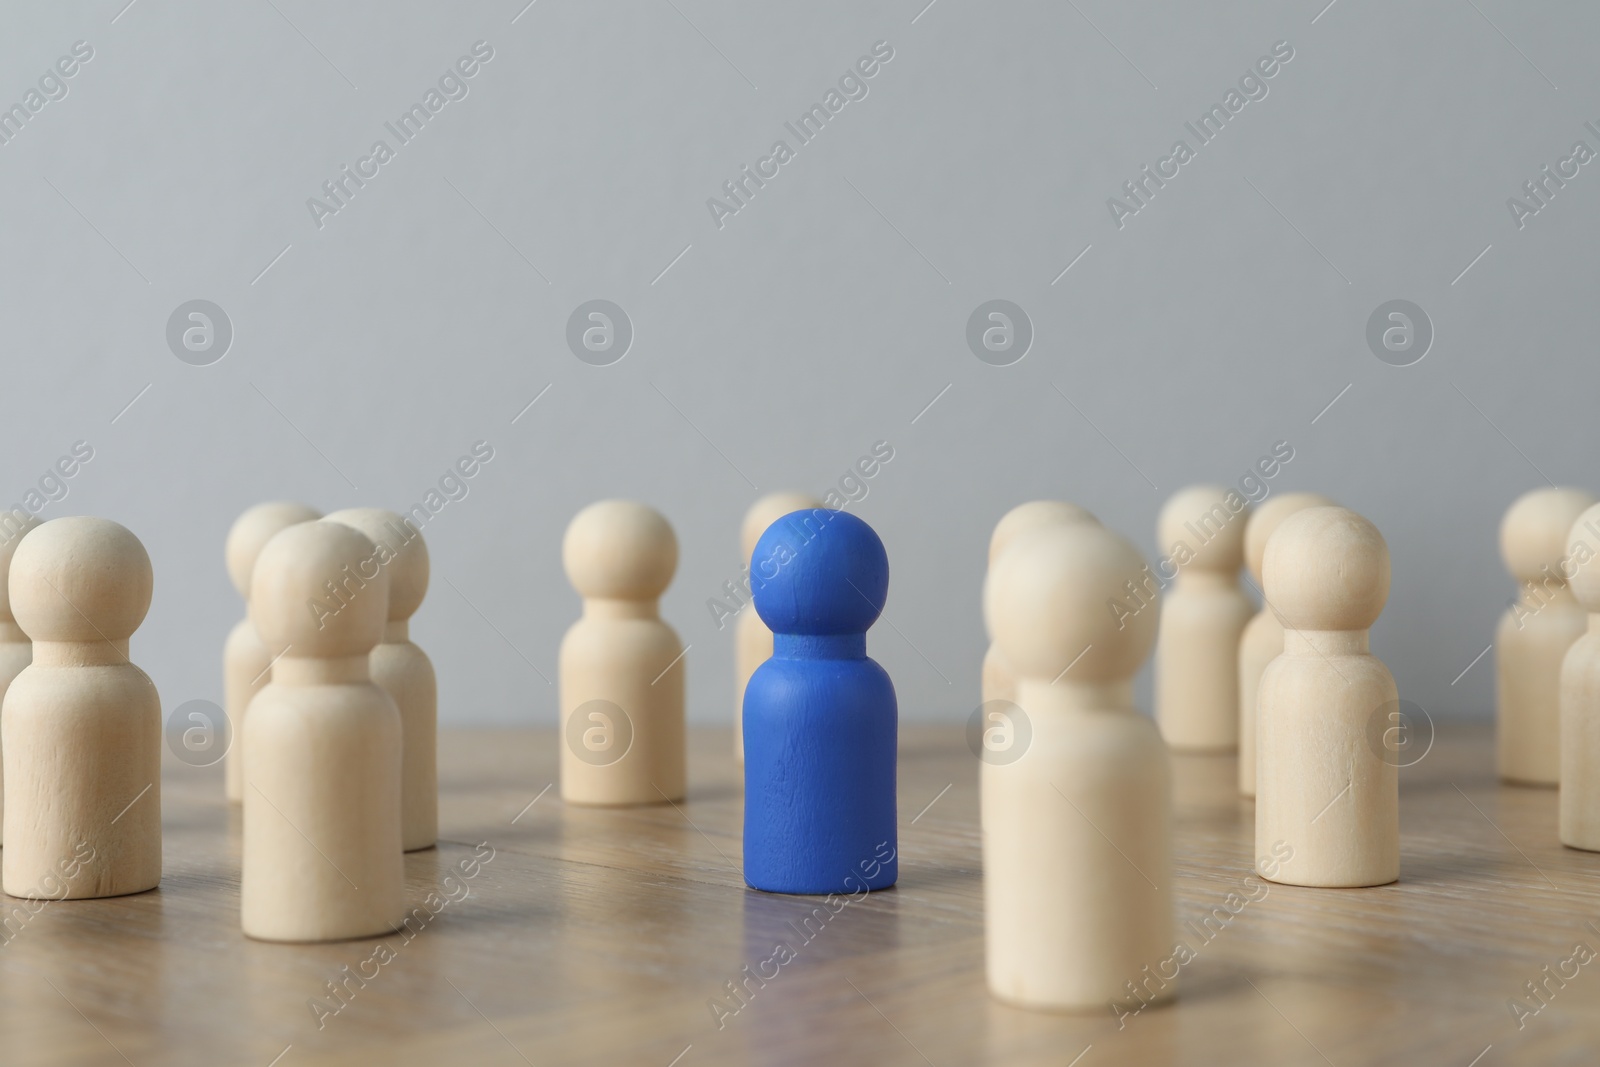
{"x":820,"y":718}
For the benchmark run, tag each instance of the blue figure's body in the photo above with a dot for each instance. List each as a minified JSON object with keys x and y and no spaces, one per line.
{"x":820,"y":719}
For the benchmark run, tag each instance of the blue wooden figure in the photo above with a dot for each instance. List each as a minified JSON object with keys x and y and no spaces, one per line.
{"x":820,"y":718}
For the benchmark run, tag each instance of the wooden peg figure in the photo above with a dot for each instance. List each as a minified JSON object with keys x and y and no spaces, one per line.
{"x":1197,"y":651}
{"x":1579,"y":818}
{"x":1535,"y":633}
{"x":322,"y":858}
{"x":998,"y":683}
{"x":403,"y":670}
{"x":1077,"y":867}
{"x":622,"y":670}
{"x":1262,"y":640}
{"x":16,"y":651}
{"x":752,"y":641}
{"x":1325,"y":793}
{"x":820,"y":719}
{"x":246,"y":662}
{"x":81,"y":725}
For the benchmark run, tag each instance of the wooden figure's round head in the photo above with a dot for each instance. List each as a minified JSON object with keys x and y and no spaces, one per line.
{"x":819,"y":572}
{"x":14,"y":525}
{"x":766,"y":511}
{"x":401,"y":552}
{"x":1583,"y":559}
{"x":80,"y":579}
{"x":1327,"y":568}
{"x":1200,"y":518}
{"x":620,"y":550}
{"x":1264,"y":520}
{"x":1533,"y":534}
{"x":1048,"y":599}
{"x":252,"y":530}
{"x":1034,"y":515}
{"x":318,"y":591}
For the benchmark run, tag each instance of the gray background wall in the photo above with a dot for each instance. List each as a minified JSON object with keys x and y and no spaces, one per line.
{"x":1223,"y":317}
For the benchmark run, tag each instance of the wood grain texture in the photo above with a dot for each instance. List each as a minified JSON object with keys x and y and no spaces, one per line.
{"x":598,"y":936}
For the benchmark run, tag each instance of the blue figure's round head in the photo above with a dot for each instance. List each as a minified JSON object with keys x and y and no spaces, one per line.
{"x":819,"y":572}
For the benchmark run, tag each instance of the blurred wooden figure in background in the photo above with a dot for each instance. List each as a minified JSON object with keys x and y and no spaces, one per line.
{"x":621,"y":668}
{"x":1262,"y":640}
{"x":403,"y":670}
{"x":246,"y":662}
{"x":1202,"y":617}
{"x":1536,"y":631}
{"x":752,"y":641}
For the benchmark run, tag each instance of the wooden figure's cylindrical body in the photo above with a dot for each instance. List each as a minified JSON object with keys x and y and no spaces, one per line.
{"x":1535,"y":632}
{"x":246,"y":669}
{"x":1201,"y":530}
{"x":1530,"y":644}
{"x":81,"y":736}
{"x":1321,"y":789}
{"x":1077,"y":879}
{"x":322,"y":807}
{"x":622,"y":718}
{"x":1579,"y":818}
{"x":404,"y":671}
{"x":621,"y":667}
{"x":1259,"y":645}
{"x":821,"y":727}
{"x":1197,"y":662}
{"x":752,"y":646}
{"x":81,"y":725}
{"x":246,"y":660}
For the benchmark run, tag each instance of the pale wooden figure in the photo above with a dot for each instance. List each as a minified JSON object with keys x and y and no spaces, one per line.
{"x":404,"y":670}
{"x":1326,"y":790}
{"x":622,"y":669}
{"x":1201,"y":531}
{"x":246,"y":662}
{"x":81,"y":725}
{"x":1262,"y":640}
{"x":752,"y":641}
{"x":1077,"y":854}
{"x":16,"y":651}
{"x":1579,"y":820}
{"x":1535,"y":633}
{"x":321,"y":857}
{"x":997,"y":682}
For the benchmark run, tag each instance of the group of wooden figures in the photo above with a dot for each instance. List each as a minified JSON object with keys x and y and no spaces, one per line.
{"x":1077,"y":855}
{"x":1076,"y":831}
{"x":334,"y":709}
{"x":334,"y":765}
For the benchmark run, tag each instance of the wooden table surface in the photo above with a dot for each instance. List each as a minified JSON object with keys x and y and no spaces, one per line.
{"x":602,"y":936}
